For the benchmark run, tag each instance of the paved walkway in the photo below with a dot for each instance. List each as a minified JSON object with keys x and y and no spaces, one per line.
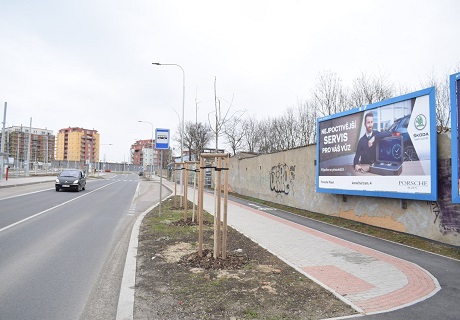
{"x":13,"y":181}
{"x":369,"y":280}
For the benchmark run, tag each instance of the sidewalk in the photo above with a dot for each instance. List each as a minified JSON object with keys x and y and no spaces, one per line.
{"x":369,"y":280}
{"x":14,"y":182}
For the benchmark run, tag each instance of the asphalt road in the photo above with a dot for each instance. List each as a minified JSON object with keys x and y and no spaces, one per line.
{"x":62,"y":253}
{"x":443,"y":305}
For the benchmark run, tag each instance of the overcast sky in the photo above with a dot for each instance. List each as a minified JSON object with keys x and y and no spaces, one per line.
{"x":88,"y":63}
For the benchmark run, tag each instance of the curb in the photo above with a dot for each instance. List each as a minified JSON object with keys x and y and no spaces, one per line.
{"x":125,"y":308}
{"x":24,"y":184}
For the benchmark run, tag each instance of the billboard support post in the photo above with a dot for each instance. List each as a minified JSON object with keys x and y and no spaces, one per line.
{"x":455,"y":142}
{"x":403,"y":204}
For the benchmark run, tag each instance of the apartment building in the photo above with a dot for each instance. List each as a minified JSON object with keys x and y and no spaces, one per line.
{"x":78,"y":144}
{"x":144,"y":154}
{"x":16,"y":144}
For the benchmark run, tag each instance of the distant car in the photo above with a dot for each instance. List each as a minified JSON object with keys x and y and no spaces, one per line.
{"x":141,"y":173}
{"x":399,"y":127}
{"x":71,"y":179}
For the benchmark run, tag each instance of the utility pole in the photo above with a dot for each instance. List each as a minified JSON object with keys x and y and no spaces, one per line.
{"x":2,"y":146}
{"x":46,"y":155}
{"x":17,"y":153}
{"x":28,"y":148}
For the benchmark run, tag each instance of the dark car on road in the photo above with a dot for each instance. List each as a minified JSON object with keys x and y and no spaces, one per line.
{"x":71,"y":179}
{"x":399,"y":128}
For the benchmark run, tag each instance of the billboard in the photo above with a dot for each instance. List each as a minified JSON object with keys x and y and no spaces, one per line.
{"x":454,"y":106}
{"x":387,"y":149}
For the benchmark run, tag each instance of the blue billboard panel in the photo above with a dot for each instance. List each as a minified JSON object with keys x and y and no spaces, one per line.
{"x":455,"y":123}
{"x":162,"y":139}
{"x":387,"y":149}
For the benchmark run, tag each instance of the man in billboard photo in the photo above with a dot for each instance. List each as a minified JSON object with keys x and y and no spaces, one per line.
{"x":366,"y":149}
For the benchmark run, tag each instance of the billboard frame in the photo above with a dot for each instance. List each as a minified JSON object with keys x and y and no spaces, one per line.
{"x":432,"y":195}
{"x":454,"y":107}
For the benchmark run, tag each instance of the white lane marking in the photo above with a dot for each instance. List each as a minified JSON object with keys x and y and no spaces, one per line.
{"x":125,"y":308}
{"x":132,"y":207}
{"x":49,"y":209}
{"x":25,"y":194}
{"x":260,"y":208}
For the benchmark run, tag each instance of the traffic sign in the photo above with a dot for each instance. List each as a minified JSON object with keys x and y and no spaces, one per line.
{"x":162,"y":139}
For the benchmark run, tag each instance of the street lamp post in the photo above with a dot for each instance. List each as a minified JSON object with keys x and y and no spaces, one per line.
{"x":183,"y":110}
{"x":28,"y":148}
{"x":151,"y":168}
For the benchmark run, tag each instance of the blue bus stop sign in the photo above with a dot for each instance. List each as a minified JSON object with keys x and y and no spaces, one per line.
{"x":162,"y":139}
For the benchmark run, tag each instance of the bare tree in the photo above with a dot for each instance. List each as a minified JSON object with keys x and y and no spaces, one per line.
{"x":265,"y":139}
{"x":251,"y":134}
{"x":275,"y":135}
{"x":442,"y":86}
{"x":368,"y":89}
{"x":297,"y":127}
{"x":442,"y":99}
{"x":288,"y":126}
{"x":306,"y":123}
{"x":234,"y":134}
{"x":203,"y":136}
{"x":196,"y":137}
{"x":329,"y":96}
{"x":220,"y":118}
{"x":188,"y":137}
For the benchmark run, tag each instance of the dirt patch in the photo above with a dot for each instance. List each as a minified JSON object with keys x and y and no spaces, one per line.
{"x":174,"y":282}
{"x":175,"y":252}
{"x":207,"y":261}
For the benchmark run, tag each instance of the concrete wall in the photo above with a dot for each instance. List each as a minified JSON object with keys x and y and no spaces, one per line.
{"x":288,"y":178}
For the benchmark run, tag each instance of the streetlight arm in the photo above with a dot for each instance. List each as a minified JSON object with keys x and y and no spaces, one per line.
{"x":183,"y":125}
{"x":183,"y":103}
{"x":170,"y":64}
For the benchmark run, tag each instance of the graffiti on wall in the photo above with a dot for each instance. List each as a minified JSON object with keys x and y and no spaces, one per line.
{"x":282,"y":178}
{"x":447,"y":212}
